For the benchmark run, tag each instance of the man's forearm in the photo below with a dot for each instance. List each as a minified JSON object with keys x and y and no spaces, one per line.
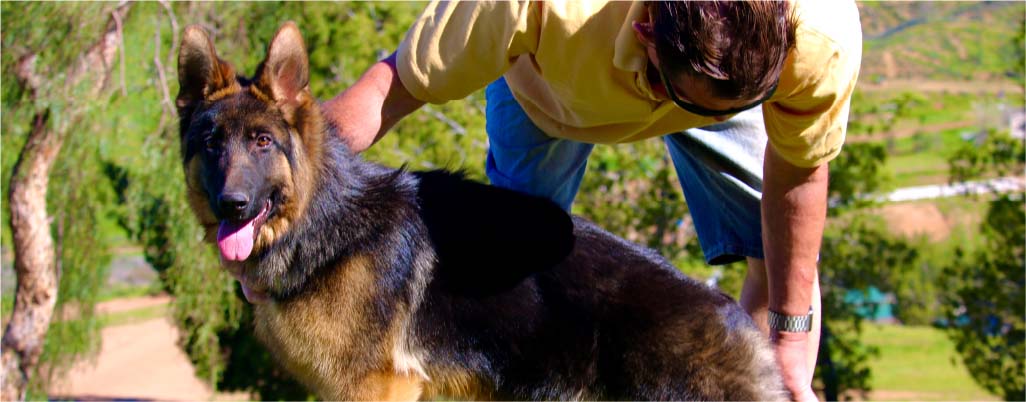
{"x":368,"y":109}
{"x":794,"y":213}
{"x":793,"y":216}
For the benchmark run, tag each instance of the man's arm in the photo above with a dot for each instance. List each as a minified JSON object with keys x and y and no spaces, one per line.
{"x":794,"y":202}
{"x":368,"y":109}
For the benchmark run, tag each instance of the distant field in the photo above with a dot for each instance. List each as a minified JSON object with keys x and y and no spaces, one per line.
{"x":918,"y":363}
{"x":923,"y":130}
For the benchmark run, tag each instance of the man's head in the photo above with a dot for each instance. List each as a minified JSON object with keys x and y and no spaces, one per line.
{"x":733,"y":51}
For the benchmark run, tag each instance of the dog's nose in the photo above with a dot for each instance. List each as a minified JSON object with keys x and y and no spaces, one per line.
{"x":233,"y":203}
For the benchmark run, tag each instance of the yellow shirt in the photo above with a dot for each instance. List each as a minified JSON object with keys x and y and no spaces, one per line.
{"x":579,"y":72}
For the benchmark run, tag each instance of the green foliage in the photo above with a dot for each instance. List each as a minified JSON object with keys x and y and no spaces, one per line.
{"x":985,"y":308}
{"x":998,"y":154}
{"x":860,"y":252}
{"x":858,"y":171}
{"x":843,"y":364}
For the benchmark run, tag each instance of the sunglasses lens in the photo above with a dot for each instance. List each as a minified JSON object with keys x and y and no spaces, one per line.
{"x":701,"y":111}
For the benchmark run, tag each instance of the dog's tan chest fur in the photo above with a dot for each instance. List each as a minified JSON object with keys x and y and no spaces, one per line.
{"x":322,"y":338}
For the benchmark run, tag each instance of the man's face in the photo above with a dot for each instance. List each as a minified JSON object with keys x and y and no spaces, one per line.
{"x":695,"y":94}
{"x":691,"y":92}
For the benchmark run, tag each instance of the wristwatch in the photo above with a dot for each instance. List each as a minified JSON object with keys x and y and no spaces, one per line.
{"x":790,"y":323}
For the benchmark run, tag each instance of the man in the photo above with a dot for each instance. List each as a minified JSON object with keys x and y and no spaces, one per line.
{"x":712,"y":78}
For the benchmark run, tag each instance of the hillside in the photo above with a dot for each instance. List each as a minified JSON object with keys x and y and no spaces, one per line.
{"x":942,"y":41}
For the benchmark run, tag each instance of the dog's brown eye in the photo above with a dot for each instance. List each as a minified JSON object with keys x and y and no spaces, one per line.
{"x":263,"y":140}
{"x":210,"y":143}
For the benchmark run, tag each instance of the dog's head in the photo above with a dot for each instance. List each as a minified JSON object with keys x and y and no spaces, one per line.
{"x":249,"y":146}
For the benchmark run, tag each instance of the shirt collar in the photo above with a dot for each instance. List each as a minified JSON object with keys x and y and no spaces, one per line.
{"x":628,"y":53}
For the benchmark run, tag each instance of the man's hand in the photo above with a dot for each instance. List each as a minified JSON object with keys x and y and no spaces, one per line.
{"x":791,"y":349}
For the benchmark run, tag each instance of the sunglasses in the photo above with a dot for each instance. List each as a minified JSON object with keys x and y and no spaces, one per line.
{"x":701,"y":111}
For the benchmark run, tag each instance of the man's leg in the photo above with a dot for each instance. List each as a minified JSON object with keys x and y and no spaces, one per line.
{"x":720,"y":169}
{"x":523,"y":158}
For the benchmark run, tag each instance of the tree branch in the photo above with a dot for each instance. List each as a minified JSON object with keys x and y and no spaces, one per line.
{"x":453,"y":124}
{"x":35,"y":258}
{"x":174,"y":32}
{"x":167,"y":106}
{"x":121,"y":47}
{"x":25,"y":70}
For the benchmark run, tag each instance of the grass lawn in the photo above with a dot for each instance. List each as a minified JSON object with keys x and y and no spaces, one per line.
{"x":918,"y":363}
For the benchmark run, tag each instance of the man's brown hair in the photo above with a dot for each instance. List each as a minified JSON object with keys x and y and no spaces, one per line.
{"x":739,"y":46}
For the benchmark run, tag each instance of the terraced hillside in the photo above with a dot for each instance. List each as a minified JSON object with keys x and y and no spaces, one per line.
{"x":942,"y":41}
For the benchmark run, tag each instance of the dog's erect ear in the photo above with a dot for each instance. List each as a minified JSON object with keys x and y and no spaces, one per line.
{"x":200,"y":72}
{"x":285,"y":74}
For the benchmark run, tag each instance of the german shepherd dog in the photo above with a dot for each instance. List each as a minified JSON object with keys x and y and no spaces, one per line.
{"x":374,"y":283}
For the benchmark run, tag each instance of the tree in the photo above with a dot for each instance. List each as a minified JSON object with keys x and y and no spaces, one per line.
{"x":38,"y":268}
{"x":857,"y":173}
{"x":903,"y":105}
{"x":984,"y":306}
{"x":985,"y":302}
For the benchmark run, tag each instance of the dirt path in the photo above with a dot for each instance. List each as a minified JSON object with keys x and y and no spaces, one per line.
{"x":916,"y":219}
{"x":137,"y":361}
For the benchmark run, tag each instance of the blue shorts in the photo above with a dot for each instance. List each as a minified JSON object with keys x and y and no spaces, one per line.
{"x":719,"y":167}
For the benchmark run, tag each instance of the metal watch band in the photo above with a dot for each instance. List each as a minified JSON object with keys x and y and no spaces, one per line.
{"x":790,"y":323}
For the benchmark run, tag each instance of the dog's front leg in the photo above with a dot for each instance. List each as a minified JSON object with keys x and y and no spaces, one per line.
{"x":388,"y":386}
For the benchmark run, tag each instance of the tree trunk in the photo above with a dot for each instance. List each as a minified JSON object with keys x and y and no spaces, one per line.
{"x":35,"y":259}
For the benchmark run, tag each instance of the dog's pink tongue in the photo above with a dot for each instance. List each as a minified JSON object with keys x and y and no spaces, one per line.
{"x":235,"y":240}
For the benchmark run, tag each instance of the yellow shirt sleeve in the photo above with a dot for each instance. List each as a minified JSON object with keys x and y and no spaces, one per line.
{"x":455,"y":48}
{"x":807,"y":126}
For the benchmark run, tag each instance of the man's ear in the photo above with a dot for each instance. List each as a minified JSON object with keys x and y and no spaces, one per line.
{"x":284,"y":74}
{"x":644,"y":32}
{"x":200,"y":72}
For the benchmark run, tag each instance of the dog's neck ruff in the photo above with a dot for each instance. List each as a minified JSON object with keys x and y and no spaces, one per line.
{"x":343,"y":215}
